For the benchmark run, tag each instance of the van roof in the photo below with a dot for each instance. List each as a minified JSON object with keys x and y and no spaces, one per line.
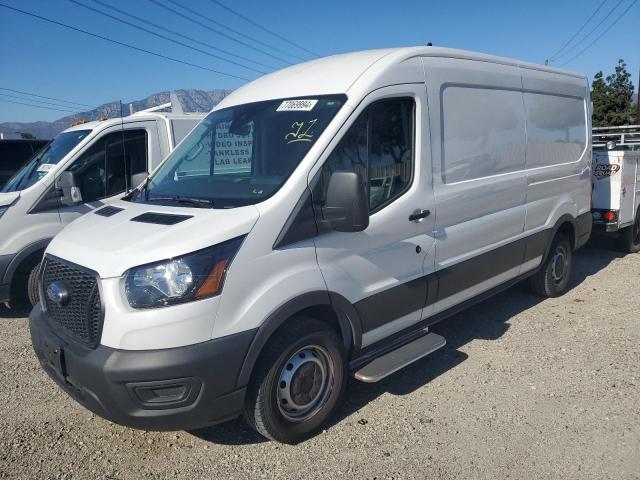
{"x":136,"y":118}
{"x":339,"y":73}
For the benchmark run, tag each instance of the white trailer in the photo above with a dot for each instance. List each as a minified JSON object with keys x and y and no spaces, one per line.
{"x":616,"y":196}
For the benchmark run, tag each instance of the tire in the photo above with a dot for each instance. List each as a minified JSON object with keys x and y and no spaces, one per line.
{"x":303,"y":365}
{"x":631,"y":236}
{"x":554,"y":274}
{"x":33,"y":292}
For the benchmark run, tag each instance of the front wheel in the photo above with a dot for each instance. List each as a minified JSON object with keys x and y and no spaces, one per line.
{"x":300,"y":379}
{"x":33,"y":292}
{"x":554,"y":274}
{"x":631,"y":236}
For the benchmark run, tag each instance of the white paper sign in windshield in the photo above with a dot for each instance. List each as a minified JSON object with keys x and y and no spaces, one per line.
{"x":232,"y":152}
{"x":302,"y":105}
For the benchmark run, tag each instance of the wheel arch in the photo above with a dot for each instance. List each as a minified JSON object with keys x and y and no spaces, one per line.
{"x":327,"y":307}
{"x":566,"y":225}
{"x":28,"y":252}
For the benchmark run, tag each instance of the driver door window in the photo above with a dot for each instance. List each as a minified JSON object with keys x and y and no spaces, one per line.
{"x":378,"y":146}
{"x":105,"y":168}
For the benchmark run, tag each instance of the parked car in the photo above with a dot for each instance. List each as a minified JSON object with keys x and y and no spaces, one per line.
{"x":98,"y":161}
{"x":14,"y":154}
{"x":616,"y":196}
{"x":313,"y":227}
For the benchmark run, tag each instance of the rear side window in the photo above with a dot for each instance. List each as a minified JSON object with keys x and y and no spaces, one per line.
{"x":556,"y":129}
{"x":379,"y":146}
{"x":483,"y":133}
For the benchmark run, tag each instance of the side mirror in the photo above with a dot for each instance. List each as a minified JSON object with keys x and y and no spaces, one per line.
{"x":66,"y":183}
{"x":137,"y":179}
{"x":346,"y":207}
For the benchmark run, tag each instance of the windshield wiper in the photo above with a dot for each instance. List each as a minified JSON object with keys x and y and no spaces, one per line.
{"x":198,"y":202}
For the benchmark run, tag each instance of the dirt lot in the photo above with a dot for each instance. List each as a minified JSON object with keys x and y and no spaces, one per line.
{"x":524,"y":389}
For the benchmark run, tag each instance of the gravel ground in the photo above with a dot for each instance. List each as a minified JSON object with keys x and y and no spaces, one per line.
{"x":524,"y":389}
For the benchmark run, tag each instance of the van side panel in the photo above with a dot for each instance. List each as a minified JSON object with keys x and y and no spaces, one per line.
{"x":558,"y":148}
{"x":478,"y":143}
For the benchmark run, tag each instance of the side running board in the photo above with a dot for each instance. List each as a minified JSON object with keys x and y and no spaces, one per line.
{"x":393,"y":361}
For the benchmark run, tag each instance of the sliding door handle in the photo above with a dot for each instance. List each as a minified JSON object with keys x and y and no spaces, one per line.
{"x":419,"y":215}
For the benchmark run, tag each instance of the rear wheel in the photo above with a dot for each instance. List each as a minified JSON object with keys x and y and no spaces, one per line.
{"x":300,"y":379}
{"x":631,"y":236}
{"x":553,"y":277}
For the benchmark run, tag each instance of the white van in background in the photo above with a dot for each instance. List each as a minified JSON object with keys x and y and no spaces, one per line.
{"x":313,"y":227}
{"x":616,"y":196}
{"x":83,"y":168}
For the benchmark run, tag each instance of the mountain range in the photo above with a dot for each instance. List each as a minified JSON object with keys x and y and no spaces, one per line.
{"x":191,"y":101}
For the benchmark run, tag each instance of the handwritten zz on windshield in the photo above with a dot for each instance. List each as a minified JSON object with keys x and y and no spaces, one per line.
{"x":300,"y":133}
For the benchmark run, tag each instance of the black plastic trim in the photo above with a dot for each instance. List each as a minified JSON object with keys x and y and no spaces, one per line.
{"x":161,"y":218}
{"x":22,"y":255}
{"x":48,"y":201}
{"x":381,"y":308}
{"x":584,"y":224}
{"x":301,"y":224}
{"x":347,"y":318}
{"x":102,"y":379}
{"x":404,"y":336}
{"x":393,"y":303}
{"x":108,"y":211}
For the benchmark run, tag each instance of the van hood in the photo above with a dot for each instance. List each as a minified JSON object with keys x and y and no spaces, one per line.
{"x":7,"y":198}
{"x":112,"y":245}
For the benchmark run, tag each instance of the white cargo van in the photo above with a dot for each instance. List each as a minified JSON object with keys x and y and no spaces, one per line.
{"x":83,"y":168}
{"x":313,"y":227}
{"x":616,"y":196}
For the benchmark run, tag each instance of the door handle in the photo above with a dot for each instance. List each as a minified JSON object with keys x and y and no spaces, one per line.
{"x":419,"y":215}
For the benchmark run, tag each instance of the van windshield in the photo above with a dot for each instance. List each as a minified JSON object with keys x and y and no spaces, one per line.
{"x":45,"y":159}
{"x":241,"y":155}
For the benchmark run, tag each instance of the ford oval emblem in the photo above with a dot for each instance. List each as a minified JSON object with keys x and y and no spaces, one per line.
{"x":58,"y":293}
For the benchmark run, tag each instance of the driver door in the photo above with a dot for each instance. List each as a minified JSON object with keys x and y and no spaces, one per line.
{"x":381,"y":270}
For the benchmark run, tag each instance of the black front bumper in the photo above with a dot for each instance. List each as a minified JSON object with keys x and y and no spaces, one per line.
{"x":171,"y":389}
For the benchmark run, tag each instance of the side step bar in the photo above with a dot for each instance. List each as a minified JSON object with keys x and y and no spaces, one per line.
{"x":393,"y":361}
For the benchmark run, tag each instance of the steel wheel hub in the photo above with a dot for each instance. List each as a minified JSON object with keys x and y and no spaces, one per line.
{"x":305,"y":383}
{"x":559,"y":264}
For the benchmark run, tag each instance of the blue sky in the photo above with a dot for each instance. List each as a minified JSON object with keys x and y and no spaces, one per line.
{"x":49,"y":60}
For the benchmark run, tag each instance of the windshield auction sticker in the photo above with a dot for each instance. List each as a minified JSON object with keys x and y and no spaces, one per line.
{"x":302,"y":105}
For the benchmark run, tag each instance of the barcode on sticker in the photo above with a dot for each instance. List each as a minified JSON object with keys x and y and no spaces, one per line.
{"x":297,"y":106}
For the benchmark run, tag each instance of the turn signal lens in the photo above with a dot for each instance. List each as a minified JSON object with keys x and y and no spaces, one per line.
{"x":213,"y":284}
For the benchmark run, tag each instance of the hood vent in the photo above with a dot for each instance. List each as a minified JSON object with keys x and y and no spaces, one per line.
{"x":108,"y":211}
{"x":161,"y":218}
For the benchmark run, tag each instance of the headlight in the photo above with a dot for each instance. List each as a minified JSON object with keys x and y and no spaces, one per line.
{"x":191,"y":277}
{"x":2,"y":210}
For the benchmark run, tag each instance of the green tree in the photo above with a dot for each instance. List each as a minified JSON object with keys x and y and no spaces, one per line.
{"x":611,"y":97}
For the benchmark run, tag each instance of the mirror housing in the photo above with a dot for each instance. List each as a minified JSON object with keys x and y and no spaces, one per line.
{"x":66,"y":183}
{"x":347,"y":207}
{"x":137,"y":179}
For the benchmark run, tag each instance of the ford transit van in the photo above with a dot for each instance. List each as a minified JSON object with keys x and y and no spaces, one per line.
{"x":83,"y":168}
{"x":312,"y":228}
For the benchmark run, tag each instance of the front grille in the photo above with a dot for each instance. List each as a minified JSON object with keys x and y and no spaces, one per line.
{"x":80,"y":316}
